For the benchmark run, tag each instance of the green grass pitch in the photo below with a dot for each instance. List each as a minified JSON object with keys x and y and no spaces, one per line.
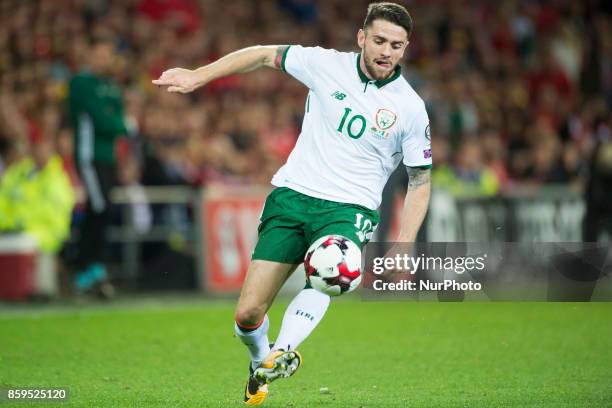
{"x":367,"y":354}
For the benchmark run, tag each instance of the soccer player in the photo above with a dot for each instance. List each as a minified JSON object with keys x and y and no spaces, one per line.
{"x":361,"y":119}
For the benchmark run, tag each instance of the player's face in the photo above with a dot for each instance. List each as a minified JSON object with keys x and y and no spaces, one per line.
{"x":102,"y":57}
{"x":382,"y":46}
{"x":42,"y":152}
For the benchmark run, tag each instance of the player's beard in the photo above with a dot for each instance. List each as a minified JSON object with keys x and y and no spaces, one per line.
{"x":373,"y":70}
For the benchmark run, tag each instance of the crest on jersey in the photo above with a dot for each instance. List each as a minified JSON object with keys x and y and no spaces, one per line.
{"x":385,"y":119}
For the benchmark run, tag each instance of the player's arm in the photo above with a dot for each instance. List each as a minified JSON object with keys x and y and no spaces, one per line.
{"x":415,"y":203}
{"x":245,"y":60}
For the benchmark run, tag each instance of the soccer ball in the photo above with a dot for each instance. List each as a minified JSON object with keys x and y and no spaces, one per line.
{"x":333,"y":265}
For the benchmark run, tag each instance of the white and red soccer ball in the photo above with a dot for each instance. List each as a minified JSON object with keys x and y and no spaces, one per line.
{"x":333,"y":265}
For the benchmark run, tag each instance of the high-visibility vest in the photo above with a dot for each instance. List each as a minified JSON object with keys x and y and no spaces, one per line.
{"x":37,"y":202}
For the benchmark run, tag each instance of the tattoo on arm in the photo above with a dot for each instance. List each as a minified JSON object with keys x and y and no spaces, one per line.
{"x":278,"y":58}
{"x":417,"y":177}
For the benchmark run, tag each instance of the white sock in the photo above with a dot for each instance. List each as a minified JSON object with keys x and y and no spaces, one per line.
{"x":256,"y":341}
{"x":303,"y":314}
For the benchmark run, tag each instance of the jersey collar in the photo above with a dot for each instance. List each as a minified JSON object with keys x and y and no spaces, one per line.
{"x":382,"y":82}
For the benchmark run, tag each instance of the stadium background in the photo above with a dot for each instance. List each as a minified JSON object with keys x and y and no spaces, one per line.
{"x":519,"y":96}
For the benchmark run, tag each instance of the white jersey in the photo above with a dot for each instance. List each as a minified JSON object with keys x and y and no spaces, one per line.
{"x":355,"y":131}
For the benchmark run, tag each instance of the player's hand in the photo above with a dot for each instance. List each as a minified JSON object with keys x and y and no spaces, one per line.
{"x":401,"y":271}
{"x":177,"y":80}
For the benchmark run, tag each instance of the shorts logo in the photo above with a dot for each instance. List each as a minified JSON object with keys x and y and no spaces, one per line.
{"x":385,"y":119}
{"x":427,"y":153}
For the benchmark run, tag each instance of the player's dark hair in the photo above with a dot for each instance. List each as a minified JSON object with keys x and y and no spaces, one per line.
{"x":101,"y":38}
{"x":391,"y":12}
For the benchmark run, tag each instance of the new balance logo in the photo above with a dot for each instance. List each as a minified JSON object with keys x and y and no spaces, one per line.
{"x":339,"y":95}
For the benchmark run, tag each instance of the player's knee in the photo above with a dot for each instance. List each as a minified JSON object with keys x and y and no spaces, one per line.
{"x":249,"y":316}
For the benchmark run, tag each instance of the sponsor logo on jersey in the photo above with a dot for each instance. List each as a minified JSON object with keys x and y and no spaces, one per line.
{"x":428,"y":132}
{"x":381,"y":134}
{"x":427,"y":153}
{"x":385,"y":119}
{"x":339,"y":95}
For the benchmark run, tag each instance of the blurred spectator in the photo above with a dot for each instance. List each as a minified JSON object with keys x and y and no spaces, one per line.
{"x":494,"y":156}
{"x":548,"y":74}
{"x":36,"y":198}
{"x":141,"y":217}
{"x":96,"y":112}
{"x":304,"y":11}
{"x":181,"y":15}
{"x":467,"y":176}
{"x":519,"y":92}
{"x":598,"y":218}
{"x":8,"y":154}
{"x":14,"y":131}
{"x":164,"y":165}
{"x":527,"y":80}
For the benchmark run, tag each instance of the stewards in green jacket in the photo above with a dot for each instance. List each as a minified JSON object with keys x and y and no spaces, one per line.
{"x":36,"y":198}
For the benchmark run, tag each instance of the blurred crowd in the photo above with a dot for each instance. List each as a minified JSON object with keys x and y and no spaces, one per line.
{"x":517,"y":91}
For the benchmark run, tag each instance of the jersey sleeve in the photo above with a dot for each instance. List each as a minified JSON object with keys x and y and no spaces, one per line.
{"x":416,"y":142}
{"x":303,"y":63}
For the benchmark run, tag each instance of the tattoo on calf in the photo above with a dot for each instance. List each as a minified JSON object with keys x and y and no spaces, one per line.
{"x":417,"y":177}
{"x":278,"y":59}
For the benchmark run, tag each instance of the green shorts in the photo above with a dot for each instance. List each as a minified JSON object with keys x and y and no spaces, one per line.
{"x":291,"y":222}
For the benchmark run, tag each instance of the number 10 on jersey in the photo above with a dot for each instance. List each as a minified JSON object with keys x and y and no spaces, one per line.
{"x":349,"y":126}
